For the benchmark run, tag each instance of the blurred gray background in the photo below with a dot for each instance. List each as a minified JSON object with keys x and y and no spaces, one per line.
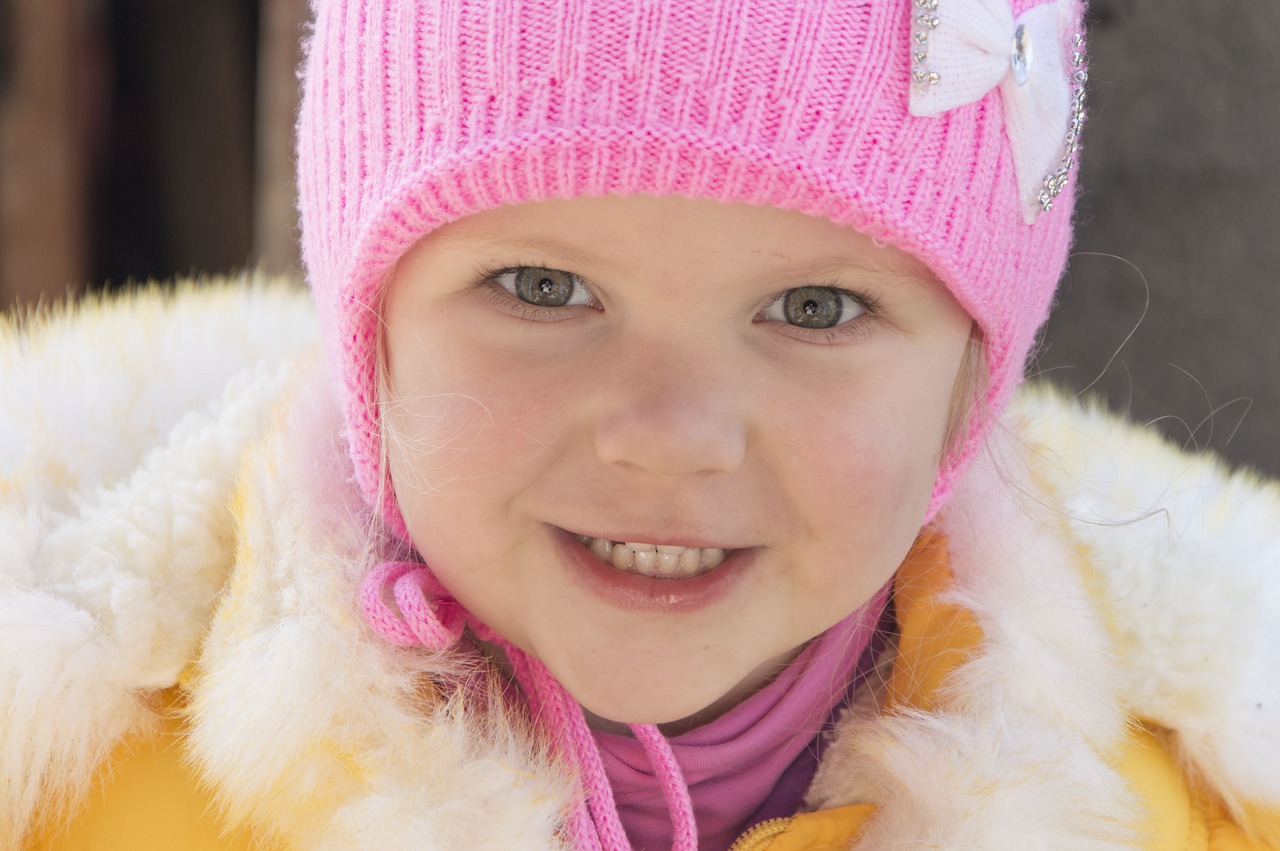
{"x":1171,"y":306}
{"x":150,"y":138}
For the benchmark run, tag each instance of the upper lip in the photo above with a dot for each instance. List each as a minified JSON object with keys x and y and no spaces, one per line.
{"x":666,"y":539}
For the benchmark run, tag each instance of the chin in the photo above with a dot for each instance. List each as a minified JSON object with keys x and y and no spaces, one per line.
{"x":669,"y":703}
{"x":631,"y":714}
{"x":639,"y":709}
{"x":654,"y":691}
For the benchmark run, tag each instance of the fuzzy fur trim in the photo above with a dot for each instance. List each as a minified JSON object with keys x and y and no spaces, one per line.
{"x":1187,"y":556}
{"x":307,"y":724}
{"x":113,"y":544}
{"x":94,"y":386}
{"x":1010,"y":757}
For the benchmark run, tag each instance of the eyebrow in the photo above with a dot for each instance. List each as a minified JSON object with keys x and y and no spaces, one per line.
{"x":836,"y":264}
{"x":825,"y":266}
{"x":547,"y":248}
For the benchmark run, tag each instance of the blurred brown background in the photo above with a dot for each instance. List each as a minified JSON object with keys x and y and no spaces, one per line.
{"x":151,"y":138}
{"x":143,"y":139}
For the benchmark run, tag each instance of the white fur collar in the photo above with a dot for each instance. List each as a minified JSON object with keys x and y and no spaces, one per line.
{"x":121,"y":430}
{"x":1017,"y":752}
{"x":306,"y":725}
{"x":298,"y":703}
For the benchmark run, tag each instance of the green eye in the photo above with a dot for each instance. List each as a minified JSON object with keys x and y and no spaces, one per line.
{"x":546,"y":287}
{"x":814,"y":307}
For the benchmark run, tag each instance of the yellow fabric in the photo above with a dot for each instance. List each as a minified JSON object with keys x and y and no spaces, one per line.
{"x":826,"y":829}
{"x":1173,"y":822}
{"x":1226,"y":835}
{"x":934,"y":637}
{"x":146,"y":799}
{"x":1263,"y":823}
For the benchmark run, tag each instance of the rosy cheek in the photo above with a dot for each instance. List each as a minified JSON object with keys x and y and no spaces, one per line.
{"x":453,"y":434}
{"x":874,"y":478}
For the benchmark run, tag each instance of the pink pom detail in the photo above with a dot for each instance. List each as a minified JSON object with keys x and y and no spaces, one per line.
{"x":428,"y":616}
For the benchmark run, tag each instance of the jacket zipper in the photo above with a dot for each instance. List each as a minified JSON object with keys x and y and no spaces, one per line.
{"x":758,"y":836}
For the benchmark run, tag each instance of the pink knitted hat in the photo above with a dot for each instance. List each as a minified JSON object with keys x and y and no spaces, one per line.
{"x":943,"y":127}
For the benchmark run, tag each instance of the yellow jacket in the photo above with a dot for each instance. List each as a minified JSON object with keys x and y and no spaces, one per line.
{"x":1086,"y":660}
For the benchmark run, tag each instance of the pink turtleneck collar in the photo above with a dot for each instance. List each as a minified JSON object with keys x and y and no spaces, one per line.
{"x":734,"y":764}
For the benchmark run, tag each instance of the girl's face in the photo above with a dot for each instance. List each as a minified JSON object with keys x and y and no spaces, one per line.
{"x":760,"y":395}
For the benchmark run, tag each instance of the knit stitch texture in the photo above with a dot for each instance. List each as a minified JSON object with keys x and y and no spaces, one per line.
{"x":418,"y":113}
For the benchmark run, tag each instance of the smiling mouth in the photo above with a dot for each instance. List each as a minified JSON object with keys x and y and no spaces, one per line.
{"x":655,"y":560}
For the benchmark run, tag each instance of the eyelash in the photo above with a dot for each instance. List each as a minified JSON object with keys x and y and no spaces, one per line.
{"x":843,"y":333}
{"x":500,"y":296}
{"x":486,"y":277}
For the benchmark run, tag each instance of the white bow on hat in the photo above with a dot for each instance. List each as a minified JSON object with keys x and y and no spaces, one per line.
{"x":962,"y":49}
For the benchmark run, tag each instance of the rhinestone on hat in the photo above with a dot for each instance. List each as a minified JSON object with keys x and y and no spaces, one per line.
{"x":1056,"y":182}
{"x":925,"y":21}
{"x":1020,"y":59}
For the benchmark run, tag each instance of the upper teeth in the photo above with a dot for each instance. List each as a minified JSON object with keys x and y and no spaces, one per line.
{"x":657,"y":560}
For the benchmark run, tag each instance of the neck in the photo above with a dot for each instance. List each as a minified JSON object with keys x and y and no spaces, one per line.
{"x":759,"y":677}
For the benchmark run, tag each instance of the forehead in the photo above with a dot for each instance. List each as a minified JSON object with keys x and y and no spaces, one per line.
{"x":616,"y":233}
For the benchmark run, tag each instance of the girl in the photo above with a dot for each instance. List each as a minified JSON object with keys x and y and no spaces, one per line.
{"x":660,"y":487}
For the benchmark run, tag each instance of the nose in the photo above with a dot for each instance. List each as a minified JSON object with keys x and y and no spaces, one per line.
{"x":671,"y":416}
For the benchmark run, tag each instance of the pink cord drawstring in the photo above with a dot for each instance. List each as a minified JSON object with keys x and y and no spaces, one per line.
{"x":594,"y":824}
{"x":674,"y":787}
{"x":429,"y":617}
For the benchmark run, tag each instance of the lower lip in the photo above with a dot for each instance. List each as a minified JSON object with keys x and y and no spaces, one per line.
{"x":645,"y":593}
